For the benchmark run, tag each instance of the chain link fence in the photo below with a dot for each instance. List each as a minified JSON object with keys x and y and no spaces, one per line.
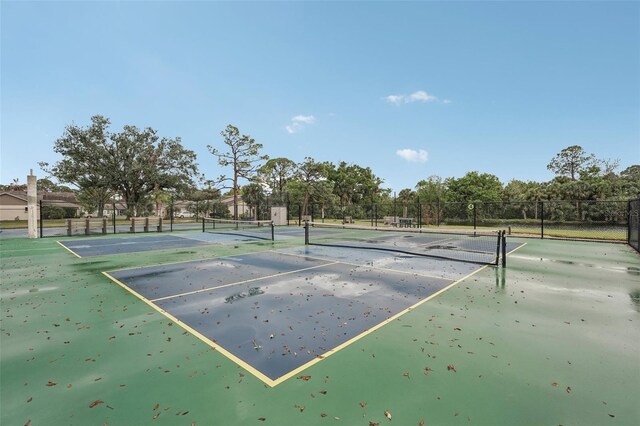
{"x":633,"y":237}
{"x":581,"y":220}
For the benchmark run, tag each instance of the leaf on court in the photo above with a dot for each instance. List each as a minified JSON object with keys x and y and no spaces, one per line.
{"x":450,"y":367}
{"x":155,"y":407}
{"x":323,"y":392}
{"x":305,"y":378}
{"x":30,"y":399}
{"x":95,"y":403}
{"x":262,"y":419}
{"x":406,"y":374}
{"x":374,"y":424}
{"x":457,"y":329}
{"x":300,"y":407}
{"x":554,"y":384}
{"x":427,"y":370}
{"x":387,"y":414}
{"x":51,"y":383}
{"x":421,"y":422}
{"x":568,"y":389}
{"x":363,"y":404}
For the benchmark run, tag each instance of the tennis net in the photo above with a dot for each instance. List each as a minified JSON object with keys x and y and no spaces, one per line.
{"x":259,"y":229}
{"x":481,"y":247}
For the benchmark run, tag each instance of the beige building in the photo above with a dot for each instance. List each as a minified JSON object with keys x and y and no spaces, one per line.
{"x":13,"y":206}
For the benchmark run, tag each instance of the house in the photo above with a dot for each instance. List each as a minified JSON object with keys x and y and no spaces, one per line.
{"x":13,"y":205}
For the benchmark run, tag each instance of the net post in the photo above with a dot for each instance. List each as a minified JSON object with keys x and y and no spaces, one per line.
{"x":474,"y":217}
{"x":203,"y":230}
{"x":504,"y":249}
{"x":306,"y":233}
{"x":273,"y":231}
{"x":498,"y":244}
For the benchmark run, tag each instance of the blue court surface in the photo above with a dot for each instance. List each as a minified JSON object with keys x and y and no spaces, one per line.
{"x":275,"y":313}
{"x":133,"y":244}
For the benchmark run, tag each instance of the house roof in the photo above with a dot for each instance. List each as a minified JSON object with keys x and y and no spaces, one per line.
{"x":17,"y":195}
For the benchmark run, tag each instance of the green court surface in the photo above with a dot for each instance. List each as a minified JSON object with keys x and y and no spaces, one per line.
{"x":554,"y":339}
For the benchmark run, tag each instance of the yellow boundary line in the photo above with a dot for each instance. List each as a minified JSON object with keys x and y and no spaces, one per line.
{"x":69,"y":250}
{"x":371,"y":330}
{"x":197,"y":334}
{"x":265,"y":379}
{"x":242,"y":282}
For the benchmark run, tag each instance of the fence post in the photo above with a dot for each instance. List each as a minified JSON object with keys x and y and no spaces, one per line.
{"x":474,"y":217}
{"x":541,"y":219}
{"x":372,"y":212}
{"x":375,"y":214}
{"x":41,"y":230}
{"x":114,"y":217}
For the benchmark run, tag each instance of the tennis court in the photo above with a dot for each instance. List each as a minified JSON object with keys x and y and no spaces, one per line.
{"x":341,"y":330}
{"x":214,"y":231}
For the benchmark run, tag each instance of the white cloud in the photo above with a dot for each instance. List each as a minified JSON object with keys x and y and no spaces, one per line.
{"x":418,"y":96}
{"x":298,"y":122}
{"x":421,"y":96}
{"x":412,"y":155}
{"x":395,"y":99}
{"x":306,"y":119}
{"x":446,"y":101}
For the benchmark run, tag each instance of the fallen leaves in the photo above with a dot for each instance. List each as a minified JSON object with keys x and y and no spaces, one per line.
{"x":51,"y":383}
{"x":305,"y":378}
{"x":450,"y":367}
{"x":387,"y":414}
{"x":96,"y":403}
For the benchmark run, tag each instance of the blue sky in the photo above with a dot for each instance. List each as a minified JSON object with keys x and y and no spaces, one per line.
{"x":409,"y":89}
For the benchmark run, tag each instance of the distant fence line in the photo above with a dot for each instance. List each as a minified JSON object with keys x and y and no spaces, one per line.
{"x":589,"y":220}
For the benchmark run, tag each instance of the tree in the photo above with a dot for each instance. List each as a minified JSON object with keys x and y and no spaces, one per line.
{"x":132,"y":163}
{"x":431,"y":190}
{"x":310,"y":184}
{"x":354,"y":184}
{"x":94,"y":199}
{"x":277,"y":172}
{"x":47,"y":185}
{"x":253,"y":195}
{"x":631,"y":181}
{"x":570,"y":161}
{"x":406,"y":197}
{"x":243,"y":156}
{"x":473,"y":187}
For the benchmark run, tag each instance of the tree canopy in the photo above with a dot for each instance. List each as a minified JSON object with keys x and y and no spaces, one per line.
{"x":132,"y":163}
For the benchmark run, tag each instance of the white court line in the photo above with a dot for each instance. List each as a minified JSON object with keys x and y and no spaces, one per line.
{"x":371,"y":266}
{"x":243,"y":282}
